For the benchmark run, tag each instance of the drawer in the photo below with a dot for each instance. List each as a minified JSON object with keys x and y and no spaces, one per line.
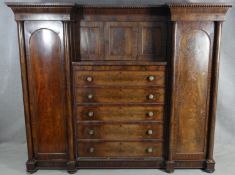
{"x":120,"y":78}
{"x":120,"y":95}
{"x":117,"y":131}
{"x":118,"y":66}
{"x":119,"y":149}
{"x":120,"y":113}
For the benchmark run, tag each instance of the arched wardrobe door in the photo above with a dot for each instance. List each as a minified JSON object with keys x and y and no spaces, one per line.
{"x":46,"y":89}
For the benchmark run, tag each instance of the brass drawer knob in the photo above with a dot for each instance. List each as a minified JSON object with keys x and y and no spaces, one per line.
{"x":89,"y":79}
{"x":149,"y":150}
{"x":149,"y":132}
{"x":91,"y":150}
{"x":151,"y":78}
{"x":91,"y":132}
{"x":150,"y":114}
{"x":151,"y":96}
{"x":89,"y":96}
{"x":90,"y":114}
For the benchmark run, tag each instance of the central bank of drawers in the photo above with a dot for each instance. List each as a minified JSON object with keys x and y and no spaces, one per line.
{"x":119,"y":111}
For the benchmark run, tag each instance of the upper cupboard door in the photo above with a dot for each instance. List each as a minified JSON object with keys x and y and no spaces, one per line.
{"x":91,"y":40}
{"x":121,"y":40}
{"x":152,"y":41}
{"x":145,"y":41}
{"x":45,"y":70}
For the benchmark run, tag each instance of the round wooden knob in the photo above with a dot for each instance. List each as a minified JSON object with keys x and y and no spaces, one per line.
{"x":91,"y":149}
{"x":151,"y":96}
{"x":150,"y":114}
{"x":89,"y":96}
{"x":89,"y":79}
{"x":151,"y":78}
{"x":90,"y":114}
{"x":149,"y":150}
{"x":149,"y":132}
{"x":91,"y":132}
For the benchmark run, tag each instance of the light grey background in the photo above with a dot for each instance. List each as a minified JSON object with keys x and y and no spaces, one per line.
{"x":12,"y":133}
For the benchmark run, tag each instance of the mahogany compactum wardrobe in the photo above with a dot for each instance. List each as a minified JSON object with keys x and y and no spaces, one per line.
{"x":119,"y":86}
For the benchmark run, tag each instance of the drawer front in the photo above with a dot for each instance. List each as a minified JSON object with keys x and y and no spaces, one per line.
{"x":120,"y":131}
{"x":120,"y":95}
{"x":120,"y":149}
{"x":119,"y":78}
{"x":120,"y":113}
{"x":111,"y":66}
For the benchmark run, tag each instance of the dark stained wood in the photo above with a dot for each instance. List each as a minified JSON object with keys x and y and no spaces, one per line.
{"x":195,"y":22}
{"x":31,"y":163}
{"x":119,"y":86}
{"x":123,"y":163}
{"x":24,"y":86}
{"x":152,"y":41}
{"x":120,"y":95}
{"x":46,"y":77}
{"x":198,"y":12}
{"x":192,"y":90}
{"x":92,"y":40}
{"x":120,"y":78}
{"x":214,"y":88}
{"x":170,"y":164}
{"x":120,"y":66}
{"x":120,"y":113}
{"x":71,"y":164}
{"x":121,"y":40}
{"x":119,"y":131}
{"x":41,"y":11}
{"x":119,"y":149}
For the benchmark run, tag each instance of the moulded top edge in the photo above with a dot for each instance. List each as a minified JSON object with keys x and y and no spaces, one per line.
{"x":199,"y":5}
{"x":119,"y":5}
{"x":40,"y":4}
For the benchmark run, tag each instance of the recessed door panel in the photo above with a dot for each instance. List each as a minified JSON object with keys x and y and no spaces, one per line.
{"x":191,"y":105}
{"x":121,"y":40}
{"x":91,"y":41}
{"x":47,"y":90}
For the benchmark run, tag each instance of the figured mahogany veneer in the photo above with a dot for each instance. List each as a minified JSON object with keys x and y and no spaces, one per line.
{"x":142,"y":112}
{"x":120,"y":149}
{"x":123,"y":86}
{"x":119,"y":95}
{"x":119,"y":131}
{"x":119,"y":78}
